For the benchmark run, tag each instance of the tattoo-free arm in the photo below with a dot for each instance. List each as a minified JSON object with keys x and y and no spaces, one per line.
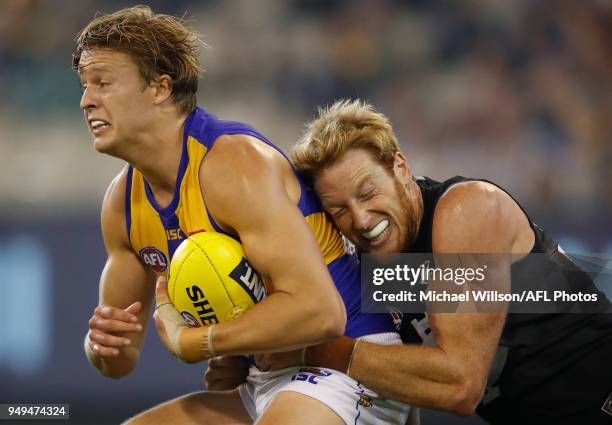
{"x":451,"y":376}
{"x":245,"y":186}
{"x":126,"y":290}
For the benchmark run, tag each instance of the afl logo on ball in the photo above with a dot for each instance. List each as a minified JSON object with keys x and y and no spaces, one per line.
{"x":191,"y":320}
{"x":154,"y":258}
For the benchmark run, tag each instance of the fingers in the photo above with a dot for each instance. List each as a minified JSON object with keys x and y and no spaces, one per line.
{"x":108,"y":312}
{"x":226,"y":372}
{"x":161,"y":291}
{"x":214,"y":362}
{"x":223,"y":384}
{"x":110,"y":325}
{"x":104,"y":325}
{"x":108,"y":340}
{"x":102,"y":351}
{"x":104,"y":345}
{"x":134,"y":308}
{"x":264,"y":364}
{"x":228,"y":361}
{"x":113,"y":319}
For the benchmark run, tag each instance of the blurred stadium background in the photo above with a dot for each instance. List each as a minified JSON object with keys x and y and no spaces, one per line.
{"x":516,"y":91}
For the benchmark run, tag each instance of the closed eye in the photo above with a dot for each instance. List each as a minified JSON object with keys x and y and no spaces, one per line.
{"x":367,"y":195}
{"x":337,"y":212}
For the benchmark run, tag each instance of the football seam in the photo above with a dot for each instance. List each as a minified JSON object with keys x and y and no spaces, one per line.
{"x":216,"y":272}
{"x":178,"y":273}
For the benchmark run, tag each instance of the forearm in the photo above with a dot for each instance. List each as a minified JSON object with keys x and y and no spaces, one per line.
{"x":113,"y":367}
{"x":280,"y":323}
{"x":420,"y":375}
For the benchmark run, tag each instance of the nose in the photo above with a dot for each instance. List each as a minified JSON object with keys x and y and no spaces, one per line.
{"x":361,"y":217}
{"x":88,"y":100}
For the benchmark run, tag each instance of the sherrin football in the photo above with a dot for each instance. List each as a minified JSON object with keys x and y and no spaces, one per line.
{"x":211,"y":281}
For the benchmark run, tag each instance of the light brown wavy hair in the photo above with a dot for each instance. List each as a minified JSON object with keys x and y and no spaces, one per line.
{"x":159,"y":44}
{"x":347,"y":124}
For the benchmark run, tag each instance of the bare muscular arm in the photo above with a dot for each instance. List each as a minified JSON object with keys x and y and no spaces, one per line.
{"x":250,"y":190}
{"x":116,"y":329}
{"x":451,"y":375}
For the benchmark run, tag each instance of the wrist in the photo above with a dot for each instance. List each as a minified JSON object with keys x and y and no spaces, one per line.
{"x":335,"y":354}
{"x":351,"y":360}
{"x":197,"y":344}
{"x":209,"y":349}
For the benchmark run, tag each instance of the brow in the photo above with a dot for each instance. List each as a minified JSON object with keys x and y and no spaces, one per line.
{"x":93,"y":68}
{"x":361,"y":181}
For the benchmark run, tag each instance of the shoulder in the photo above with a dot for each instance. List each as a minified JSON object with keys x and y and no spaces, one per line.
{"x":243,"y":170}
{"x":471,"y":198}
{"x":241,"y":161}
{"x":114,"y":198}
{"x":476,"y":216}
{"x":243,"y":149}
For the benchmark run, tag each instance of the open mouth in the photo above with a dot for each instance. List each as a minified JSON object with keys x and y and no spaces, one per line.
{"x":98,"y":125}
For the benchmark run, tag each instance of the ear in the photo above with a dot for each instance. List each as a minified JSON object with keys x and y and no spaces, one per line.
{"x":401,"y":169}
{"x":162,"y":89}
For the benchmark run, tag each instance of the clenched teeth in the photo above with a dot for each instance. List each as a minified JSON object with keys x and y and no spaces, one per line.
{"x":377,"y":230}
{"x":98,"y":123}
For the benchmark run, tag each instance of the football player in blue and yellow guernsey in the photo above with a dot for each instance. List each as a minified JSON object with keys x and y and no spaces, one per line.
{"x":188,"y":171}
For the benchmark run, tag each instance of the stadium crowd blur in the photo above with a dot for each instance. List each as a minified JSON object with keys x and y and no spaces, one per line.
{"x":519,"y":91}
{"x":515,"y":91}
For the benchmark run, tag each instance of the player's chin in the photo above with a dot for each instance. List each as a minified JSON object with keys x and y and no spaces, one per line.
{"x":103,"y":145}
{"x":387,"y":244}
{"x":382,"y":249}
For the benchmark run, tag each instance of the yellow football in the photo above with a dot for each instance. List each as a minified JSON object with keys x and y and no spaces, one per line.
{"x":211,"y":281}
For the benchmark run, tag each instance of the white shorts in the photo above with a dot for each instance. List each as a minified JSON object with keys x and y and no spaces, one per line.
{"x":350,"y":400}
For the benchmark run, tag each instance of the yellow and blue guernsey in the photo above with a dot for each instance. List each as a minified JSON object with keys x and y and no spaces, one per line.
{"x":156,"y":232}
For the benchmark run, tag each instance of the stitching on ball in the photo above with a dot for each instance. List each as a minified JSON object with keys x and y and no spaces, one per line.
{"x":216,"y":271}
{"x":178,"y":273}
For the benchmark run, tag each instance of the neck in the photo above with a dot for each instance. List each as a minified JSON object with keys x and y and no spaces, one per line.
{"x":415,"y":200}
{"x":157,"y":155}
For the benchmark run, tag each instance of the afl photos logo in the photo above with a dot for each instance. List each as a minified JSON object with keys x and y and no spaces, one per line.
{"x":154,"y":258}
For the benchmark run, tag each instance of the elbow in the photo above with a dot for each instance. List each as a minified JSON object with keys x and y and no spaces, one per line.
{"x":333,"y":328}
{"x":116,"y":368}
{"x":466,"y":398}
{"x":117,"y":374}
{"x":337,"y":327}
{"x":332,"y":323}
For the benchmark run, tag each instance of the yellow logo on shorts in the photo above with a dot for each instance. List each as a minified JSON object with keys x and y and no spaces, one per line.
{"x":364,"y":400}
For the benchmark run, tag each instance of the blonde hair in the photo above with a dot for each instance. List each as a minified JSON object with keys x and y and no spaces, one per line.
{"x":160,"y":44}
{"x":347,"y":124}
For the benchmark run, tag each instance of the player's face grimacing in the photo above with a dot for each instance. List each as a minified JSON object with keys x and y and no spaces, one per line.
{"x":367,"y":202}
{"x":115,"y":98}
